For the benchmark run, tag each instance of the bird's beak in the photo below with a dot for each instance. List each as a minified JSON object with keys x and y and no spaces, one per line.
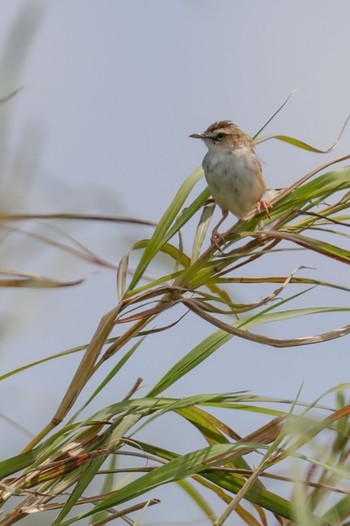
{"x":197,"y":136}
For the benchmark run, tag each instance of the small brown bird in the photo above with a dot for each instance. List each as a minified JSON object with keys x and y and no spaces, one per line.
{"x":233,"y":172}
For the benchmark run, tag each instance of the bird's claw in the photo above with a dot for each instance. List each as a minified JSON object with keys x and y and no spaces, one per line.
{"x":215,"y":238}
{"x":263,"y":206}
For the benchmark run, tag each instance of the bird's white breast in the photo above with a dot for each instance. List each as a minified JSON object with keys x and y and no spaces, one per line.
{"x":234,"y":178}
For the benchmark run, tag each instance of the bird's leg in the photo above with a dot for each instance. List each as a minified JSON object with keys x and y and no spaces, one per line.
{"x":263,"y":205}
{"x":215,"y":235}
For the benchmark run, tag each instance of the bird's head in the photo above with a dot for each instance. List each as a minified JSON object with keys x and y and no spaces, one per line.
{"x":223,"y":135}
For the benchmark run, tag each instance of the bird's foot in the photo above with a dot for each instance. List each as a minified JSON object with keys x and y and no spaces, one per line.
{"x":215,"y":238}
{"x":263,"y":205}
{"x":215,"y":235}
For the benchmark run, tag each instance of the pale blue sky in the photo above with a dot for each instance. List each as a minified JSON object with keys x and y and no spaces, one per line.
{"x":114,"y":90}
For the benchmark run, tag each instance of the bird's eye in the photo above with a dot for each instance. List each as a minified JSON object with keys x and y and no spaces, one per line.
{"x":219,"y":136}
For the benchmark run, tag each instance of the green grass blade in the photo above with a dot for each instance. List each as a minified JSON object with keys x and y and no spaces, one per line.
{"x":188,"y":465}
{"x":161,"y":234}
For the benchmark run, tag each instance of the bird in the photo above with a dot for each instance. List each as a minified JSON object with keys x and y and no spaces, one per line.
{"x":233,"y":172}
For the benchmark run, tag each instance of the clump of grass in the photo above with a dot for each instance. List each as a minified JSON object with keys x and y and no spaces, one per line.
{"x":313,"y":214}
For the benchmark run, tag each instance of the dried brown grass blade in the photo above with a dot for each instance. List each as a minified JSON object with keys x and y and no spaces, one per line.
{"x":259,"y":338}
